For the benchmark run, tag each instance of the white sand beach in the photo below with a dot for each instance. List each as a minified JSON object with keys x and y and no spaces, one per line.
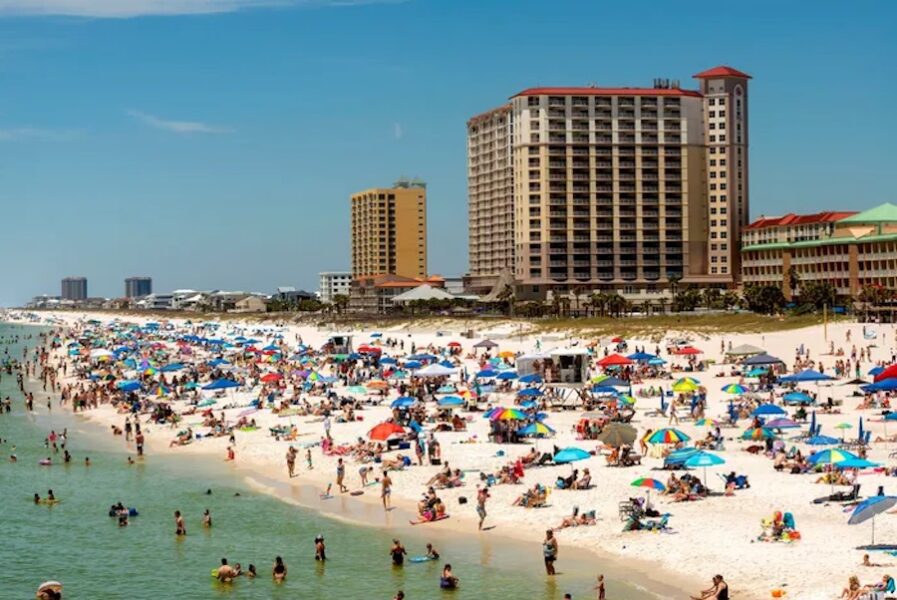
{"x":716,"y":534}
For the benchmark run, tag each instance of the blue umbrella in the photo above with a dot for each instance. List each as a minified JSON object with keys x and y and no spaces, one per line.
{"x":129,"y":386}
{"x":218,"y":362}
{"x":768,"y":409}
{"x":487,"y":374}
{"x":449,"y":401}
{"x":869,"y":508}
{"x":507,"y":375}
{"x":403,"y":402}
{"x":798,"y":398}
{"x":891,"y":416}
{"x":807,"y":375}
{"x":172,"y":367}
{"x":413,"y":364}
{"x":387,"y":360}
{"x":221,"y":384}
{"x":875,"y":370}
{"x":822,"y":440}
{"x":641,"y":356}
{"x":536,"y":429}
{"x":888,"y":385}
{"x":761,"y":359}
{"x":857,"y":463}
{"x":529,"y":393}
{"x":604,"y":390}
{"x":704,"y":459}
{"x":531,"y":378}
{"x":657,"y":362}
{"x":568,"y":455}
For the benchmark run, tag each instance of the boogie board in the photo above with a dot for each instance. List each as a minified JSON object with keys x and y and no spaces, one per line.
{"x":420,"y":559}
{"x":442,"y":518}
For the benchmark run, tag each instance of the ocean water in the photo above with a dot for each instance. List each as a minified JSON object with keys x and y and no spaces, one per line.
{"x":77,"y":543}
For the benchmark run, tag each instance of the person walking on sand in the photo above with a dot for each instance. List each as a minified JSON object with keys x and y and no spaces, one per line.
{"x":386,"y":490}
{"x":179,"y":527}
{"x":599,"y":588}
{"x":673,"y":415}
{"x":308,"y":464}
{"x":550,"y":552}
{"x":340,"y":476}
{"x":482,"y":496}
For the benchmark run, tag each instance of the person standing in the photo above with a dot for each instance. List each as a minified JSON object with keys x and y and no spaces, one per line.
{"x":340,"y":476}
{"x":179,"y":527}
{"x":398,"y":553}
{"x":599,"y":588}
{"x":386,"y":489}
{"x":139,"y":439}
{"x":291,"y":461}
{"x":550,"y":551}
{"x":320,"y":549}
{"x":482,"y":497}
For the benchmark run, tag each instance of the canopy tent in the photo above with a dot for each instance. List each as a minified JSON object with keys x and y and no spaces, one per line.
{"x":762,"y":360}
{"x":422,"y":292}
{"x":745,"y":350}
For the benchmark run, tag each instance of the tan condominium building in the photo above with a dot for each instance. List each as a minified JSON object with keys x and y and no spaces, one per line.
{"x":611,"y":188}
{"x":389,"y":231}
{"x":845,"y":249}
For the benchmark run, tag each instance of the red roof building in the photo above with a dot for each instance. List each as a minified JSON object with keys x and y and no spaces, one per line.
{"x":721,"y":71}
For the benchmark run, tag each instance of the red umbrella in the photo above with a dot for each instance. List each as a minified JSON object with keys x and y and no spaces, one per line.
{"x":888,"y":373}
{"x":689,"y":350}
{"x":384,"y":431}
{"x":271,"y":377}
{"x":454,"y":344}
{"x":614,"y":360}
{"x":617,"y":340}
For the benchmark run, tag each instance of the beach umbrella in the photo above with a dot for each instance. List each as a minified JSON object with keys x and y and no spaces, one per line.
{"x":218,"y":362}
{"x":798,"y":398}
{"x":641,"y":356}
{"x":684,"y":386}
{"x":689,"y":351}
{"x":821,"y":440}
{"x":734,"y":388}
{"x":651,"y":484}
{"x":781,"y":423}
{"x":509,"y":414}
{"x":617,"y":340}
{"x":857,"y":463}
{"x":537,"y":429}
{"x":271,"y":377}
{"x":756,"y":372}
{"x":614,"y":360}
{"x":603,"y":390}
{"x":758,"y":433}
{"x":172,"y":367}
{"x":618,"y":434}
{"x":876,"y":371}
{"x":387,"y":360}
{"x":889,"y":372}
{"x":832,"y":456}
{"x":529,"y":393}
{"x":765,"y":410}
{"x":568,"y":455}
{"x":744,"y":350}
{"x":704,"y":460}
{"x":413,"y":364}
{"x":384,"y":431}
{"x":486,"y":344}
{"x":486,"y":374}
{"x":207,"y":402}
{"x":608,"y":381}
{"x":129,"y":386}
{"x":507,"y":375}
{"x":806,"y":375}
{"x":357,"y":389}
{"x":656,"y":361}
{"x":626,"y":400}
{"x":707,"y":423}
{"x":886,"y":385}
{"x":450,"y":401}
{"x":403,"y":402}
{"x":531,"y":378}
{"x":869,"y":508}
{"x":221,"y":384}
{"x":667,"y":435}
{"x":454,"y":344}
{"x":843,"y":426}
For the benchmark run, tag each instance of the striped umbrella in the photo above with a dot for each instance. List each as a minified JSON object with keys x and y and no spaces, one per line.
{"x":537,"y":429}
{"x":667,"y":436}
{"x":509,"y":414}
{"x":831,"y":456}
{"x":647,"y":482}
{"x":685,"y":386}
{"x":758,"y":433}
{"x":734,"y":388}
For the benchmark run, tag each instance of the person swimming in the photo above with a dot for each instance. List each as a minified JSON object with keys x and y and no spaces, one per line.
{"x":251,"y":572}
{"x":279,"y":571}
{"x":448,"y":581}
{"x":225,"y":573}
{"x":206,"y":518}
{"x":432,"y":553}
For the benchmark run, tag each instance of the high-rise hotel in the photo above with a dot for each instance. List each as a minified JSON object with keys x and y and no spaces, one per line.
{"x":611,"y":188}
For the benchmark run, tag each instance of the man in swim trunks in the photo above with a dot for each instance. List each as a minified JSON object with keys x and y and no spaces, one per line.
{"x":340,"y":476}
{"x":550,"y":551}
{"x":179,"y":527}
{"x":226,"y":572}
{"x":482,"y":496}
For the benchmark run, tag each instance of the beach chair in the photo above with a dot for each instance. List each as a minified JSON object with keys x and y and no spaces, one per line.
{"x":850,"y":496}
{"x":657,"y":525}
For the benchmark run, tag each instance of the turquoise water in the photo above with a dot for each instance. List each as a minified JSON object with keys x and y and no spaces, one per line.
{"x":77,"y":543}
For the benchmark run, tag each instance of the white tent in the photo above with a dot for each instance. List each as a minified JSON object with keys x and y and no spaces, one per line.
{"x":422,"y":292}
{"x":435,"y":370}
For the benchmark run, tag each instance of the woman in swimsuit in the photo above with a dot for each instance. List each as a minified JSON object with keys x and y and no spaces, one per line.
{"x":398,"y":553}
{"x":279,"y":572}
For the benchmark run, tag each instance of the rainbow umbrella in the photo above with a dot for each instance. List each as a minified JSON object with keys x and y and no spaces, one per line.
{"x":509,"y":414}
{"x":734,"y":388}
{"x":831,"y":456}
{"x":690,"y":379}
{"x":667,"y":436}
{"x":536,"y":429}
{"x":707,"y":423}
{"x":758,"y":433}
{"x":651,"y":484}
{"x":626,"y":399}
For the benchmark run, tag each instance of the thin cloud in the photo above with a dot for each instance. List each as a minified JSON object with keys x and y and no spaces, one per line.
{"x":39,"y":134}
{"x":397,"y":131}
{"x":176,"y":126}
{"x":123,"y":9}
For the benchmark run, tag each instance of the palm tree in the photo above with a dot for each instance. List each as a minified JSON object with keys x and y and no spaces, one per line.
{"x":576,"y":292}
{"x":341,"y":302}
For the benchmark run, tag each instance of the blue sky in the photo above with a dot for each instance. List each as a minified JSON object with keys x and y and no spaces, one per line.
{"x":214,"y":143}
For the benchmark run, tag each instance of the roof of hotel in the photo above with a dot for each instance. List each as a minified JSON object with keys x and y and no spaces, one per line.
{"x":599,"y":91}
{"x":883,"y":213}
{"x":834,"y":241}
{"x":721,"y":71}
{"x":828,"y":216}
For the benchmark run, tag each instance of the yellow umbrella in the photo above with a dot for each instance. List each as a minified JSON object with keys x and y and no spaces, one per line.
{"x":684,"y":386}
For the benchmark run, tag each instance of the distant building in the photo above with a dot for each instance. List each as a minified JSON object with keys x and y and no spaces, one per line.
{"x":291,"y":294}
{"x":389,"y":231}
{"x":845,"y":249}
{"x":334,"y":283}
{"x":136,"y":287}
{"x":74,"y":288}
{"x":455,"y":286}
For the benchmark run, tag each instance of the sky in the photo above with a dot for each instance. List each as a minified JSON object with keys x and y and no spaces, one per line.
{"x":213,"y":144}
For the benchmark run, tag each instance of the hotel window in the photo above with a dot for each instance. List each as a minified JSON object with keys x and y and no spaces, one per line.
{"x":712,"y":162}
{"x":722,"y":138}
{"x":713,"y":126}
{"x":712,"y":101}
{"x":713,"y":259}
{"x":713,"y":270}
{"x":722,"y":186}
{"x":722,"y":101}
{"x":722,"y":162}
{"x":723,"y":210}
{"x":712,"y":114}
{"x":712,"y":186}
{"x":712,"y":138}
{"x":713,"y":151}
{"x":713,"y":246}
{"x":722,"y":125}
{"x":722,"y":113}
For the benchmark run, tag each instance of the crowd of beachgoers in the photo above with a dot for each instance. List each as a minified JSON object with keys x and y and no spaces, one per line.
{"x":741,"y":454}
